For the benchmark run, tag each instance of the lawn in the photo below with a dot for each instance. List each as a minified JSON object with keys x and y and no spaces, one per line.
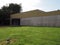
{"x":30,"y":35}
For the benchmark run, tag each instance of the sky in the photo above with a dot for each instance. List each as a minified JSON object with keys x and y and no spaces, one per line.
{"x":27,"y":5}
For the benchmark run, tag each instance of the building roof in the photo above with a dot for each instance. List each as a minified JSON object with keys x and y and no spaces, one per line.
{"x":35,"y":13}
{"x":56,"y":12}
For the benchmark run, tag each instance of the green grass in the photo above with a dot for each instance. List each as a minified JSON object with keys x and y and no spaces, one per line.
{"x":31,"y":35}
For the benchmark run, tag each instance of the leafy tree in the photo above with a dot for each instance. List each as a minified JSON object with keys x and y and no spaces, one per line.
{"x":6,"y":11}
{"x":14,"y":8}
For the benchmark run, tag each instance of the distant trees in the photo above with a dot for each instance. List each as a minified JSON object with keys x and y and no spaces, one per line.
{"x":6,"y":11}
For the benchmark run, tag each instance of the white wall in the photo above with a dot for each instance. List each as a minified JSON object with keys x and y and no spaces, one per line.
{"x":58,"y":20}
{"x":42,"y":21}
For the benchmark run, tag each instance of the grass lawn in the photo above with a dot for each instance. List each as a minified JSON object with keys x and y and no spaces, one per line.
{"x":30,"y":35}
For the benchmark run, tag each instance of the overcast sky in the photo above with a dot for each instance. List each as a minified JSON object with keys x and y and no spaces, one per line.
{"x":45,"y":5}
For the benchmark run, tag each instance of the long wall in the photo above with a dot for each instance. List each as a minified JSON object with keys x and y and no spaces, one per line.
{"x":53,"y":20}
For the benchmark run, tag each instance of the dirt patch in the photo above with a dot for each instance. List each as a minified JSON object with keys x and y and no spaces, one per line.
{"x":7,"y":41}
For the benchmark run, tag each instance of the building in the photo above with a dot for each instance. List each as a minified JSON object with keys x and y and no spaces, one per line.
{"x":36,"y":18}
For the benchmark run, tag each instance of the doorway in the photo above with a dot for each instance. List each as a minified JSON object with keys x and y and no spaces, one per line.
{"x":15,"y":22}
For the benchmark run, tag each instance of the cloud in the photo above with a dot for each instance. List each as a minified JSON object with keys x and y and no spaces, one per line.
{"x":26,"y":4}
{"x":30,"y":4}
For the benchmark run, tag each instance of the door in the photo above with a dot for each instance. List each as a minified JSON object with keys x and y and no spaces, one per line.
{"x":16,"y":22}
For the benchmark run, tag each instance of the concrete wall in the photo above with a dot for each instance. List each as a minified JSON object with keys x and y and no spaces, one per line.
{"x":53,"y":20}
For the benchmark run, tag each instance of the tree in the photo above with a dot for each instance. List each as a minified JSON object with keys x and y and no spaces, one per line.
{"x":11,"y":9}
{"x":14,"y":8}
{"x":6,"y":11}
